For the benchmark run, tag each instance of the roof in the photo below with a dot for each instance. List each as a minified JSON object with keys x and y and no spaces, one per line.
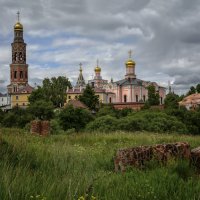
{"x":77,"y":104}
{"x":132,"y":81}
{"x":191,"y":99}
{"x":3,"y":95}
{"x":75,"y":91}
{"x":25,"y":90}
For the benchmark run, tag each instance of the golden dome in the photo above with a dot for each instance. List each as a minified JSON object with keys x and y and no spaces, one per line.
{"x":130,"y":63}
{"x":18,"y":26}
{"x":97,"y":69}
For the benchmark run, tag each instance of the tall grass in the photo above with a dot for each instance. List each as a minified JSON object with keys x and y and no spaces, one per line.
{"x":67,"y":167}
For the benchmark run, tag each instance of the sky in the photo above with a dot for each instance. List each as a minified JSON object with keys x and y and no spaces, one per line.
{"x":163,"y":35}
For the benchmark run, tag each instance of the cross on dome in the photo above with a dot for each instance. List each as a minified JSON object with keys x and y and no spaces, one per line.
{"x":130,"y":53}
{"x":18,"y":16}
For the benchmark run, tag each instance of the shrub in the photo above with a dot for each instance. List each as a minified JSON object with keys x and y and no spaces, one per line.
{"x":76,"y":118}
{"x":104,"y":123}
{"x":132,"y":124}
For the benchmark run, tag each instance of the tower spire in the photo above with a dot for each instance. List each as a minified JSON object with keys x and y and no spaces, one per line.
{"x":80,"y":68}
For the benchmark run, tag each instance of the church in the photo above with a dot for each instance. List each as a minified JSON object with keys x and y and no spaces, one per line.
{"x":125,"y":91}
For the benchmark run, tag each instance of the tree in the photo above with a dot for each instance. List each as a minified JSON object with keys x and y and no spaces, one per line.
{"x":53,"y":90}
{"x":191,"y":91}
{"x":171,"y":100}
{"x":42,"y":110}
{"x":89,"y":98}
{"x":76,"y":118}
{"x":198,"y":88}
{"x":37,"y":95}
{"x":153,"y":96}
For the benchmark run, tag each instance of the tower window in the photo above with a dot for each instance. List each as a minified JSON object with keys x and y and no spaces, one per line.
{"x":136,"y":97}
{"x":125,"y":98}
{"x":15,"y":74}
{"x":21,"y":74}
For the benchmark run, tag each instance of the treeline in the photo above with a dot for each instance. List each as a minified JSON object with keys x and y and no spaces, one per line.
{"x":47,"y":100}
{"x":107,"y":119}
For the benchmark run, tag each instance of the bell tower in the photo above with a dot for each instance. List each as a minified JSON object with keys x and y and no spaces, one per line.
{"x":18,"y":68}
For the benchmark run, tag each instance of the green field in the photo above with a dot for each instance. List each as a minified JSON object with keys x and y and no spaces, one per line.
{"x":80,"y":166}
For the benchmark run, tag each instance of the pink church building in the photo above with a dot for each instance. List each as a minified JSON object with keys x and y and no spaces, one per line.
{"x":126,"y":91}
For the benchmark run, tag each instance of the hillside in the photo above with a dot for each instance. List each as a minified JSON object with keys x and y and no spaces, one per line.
{"x":69,"y":166}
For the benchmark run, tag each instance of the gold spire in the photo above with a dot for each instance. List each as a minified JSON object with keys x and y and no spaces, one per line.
{"x":97,"y":68}
{"x":18,"y":26}
{"x":130,"y":62}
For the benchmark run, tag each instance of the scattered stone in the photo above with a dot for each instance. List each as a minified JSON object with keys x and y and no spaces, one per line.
{"x":138,"y":156}
{"x":195,"y":157}
{"x":40,"y":127}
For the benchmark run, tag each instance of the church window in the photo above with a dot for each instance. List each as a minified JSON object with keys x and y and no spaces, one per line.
{"x":15,"y":74}
{"x":136,"y":98}
{"x":20,"y":56}
{"x":110,"y":100}
{"x":21,"y":74}
{"x":144,"y":98}
{"x":125,"y":98}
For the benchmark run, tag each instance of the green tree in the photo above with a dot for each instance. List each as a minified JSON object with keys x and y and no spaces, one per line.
{"x":37,"y":95}
{"x":76,"y":118}
{"x":53,"y":90}
{"x":42,"y":109}
{"x":153,"y":96}
{"x":171,"y":100}
{"x":89,"y":98}
{"x":191,"y":91}
{"x":198,"y":88}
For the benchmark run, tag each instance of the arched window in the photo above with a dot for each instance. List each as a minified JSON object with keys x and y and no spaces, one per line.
{"x":125,"y":98}
{"x":136,"y":98}
{"x":144,"y":98}
{"x":21,"y":74}
{"x":110,"y":100}
{"x":15,"y":74}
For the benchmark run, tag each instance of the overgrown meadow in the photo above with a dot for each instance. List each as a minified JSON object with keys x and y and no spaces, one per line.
{"x":80,"y":166}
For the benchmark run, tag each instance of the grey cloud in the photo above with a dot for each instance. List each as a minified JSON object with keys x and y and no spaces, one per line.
{"x":161,"y":33}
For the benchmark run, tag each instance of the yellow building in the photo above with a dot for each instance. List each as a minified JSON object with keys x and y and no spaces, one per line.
{"x":20,"y":98}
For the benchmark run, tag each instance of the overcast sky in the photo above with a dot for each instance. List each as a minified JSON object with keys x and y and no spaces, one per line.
{"x":163,"y":35}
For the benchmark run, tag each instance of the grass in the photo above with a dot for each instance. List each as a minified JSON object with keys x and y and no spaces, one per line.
{"x":80,"y":166}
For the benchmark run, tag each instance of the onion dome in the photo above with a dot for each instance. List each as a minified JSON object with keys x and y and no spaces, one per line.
{"x":18,"y":27}
{"x":130,"y":62}
{"x":97,"y":68}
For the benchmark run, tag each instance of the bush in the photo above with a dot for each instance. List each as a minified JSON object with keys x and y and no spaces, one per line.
{"x":151,"y":121}
{"x":104,"y":123}
{"x":76,"y":118}
{"x":132,"y":124}
{"x":55,"y":126}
